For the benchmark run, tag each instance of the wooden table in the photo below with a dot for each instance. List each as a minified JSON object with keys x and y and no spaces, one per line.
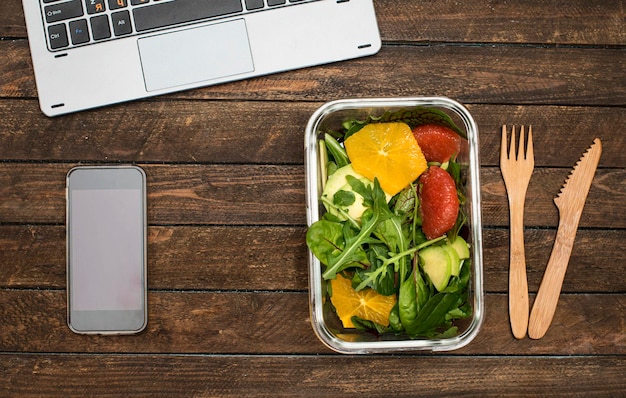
{"x":228,"y":303}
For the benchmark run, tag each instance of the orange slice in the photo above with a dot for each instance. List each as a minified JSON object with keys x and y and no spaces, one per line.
{"x":366,"y":304}
{"x":389,"y":152}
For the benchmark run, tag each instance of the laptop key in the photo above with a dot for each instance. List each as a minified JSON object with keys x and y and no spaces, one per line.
{"x":79,"y":32}
{"x":121,"y":23}
{"x":275,"y":2}
{"x":115,"y":4}
{"x":100,"y":27}
{"x":63,"y":11}
{"x":94,"y":6}
{"x":254,"y":4}
{"x":58,"y":36}
{"x":159,"y":15}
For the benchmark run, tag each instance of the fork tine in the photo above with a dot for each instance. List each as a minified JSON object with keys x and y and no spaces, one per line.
{"x":530,"y":154}
{"x":503,"y":143}
{"x":512,"y":145}
{"x":521,"y":153}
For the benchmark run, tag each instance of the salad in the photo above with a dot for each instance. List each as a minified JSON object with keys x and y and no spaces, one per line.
{"x":391,"y":241}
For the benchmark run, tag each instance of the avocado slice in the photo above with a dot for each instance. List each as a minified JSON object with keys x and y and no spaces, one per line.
{"x":455,"y":261}
{"x":338,"y":182}
{"x":437,"y":265}
{"x":462,"y":248}
{"x":338,"y":179}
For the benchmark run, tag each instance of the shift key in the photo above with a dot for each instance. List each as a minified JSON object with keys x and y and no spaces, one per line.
{"x":63,"y":11}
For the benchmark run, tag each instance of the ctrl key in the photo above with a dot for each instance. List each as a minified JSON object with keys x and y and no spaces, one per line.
{"x":57,"y":35}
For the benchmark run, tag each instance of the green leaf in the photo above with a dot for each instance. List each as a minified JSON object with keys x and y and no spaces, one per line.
{"x":336,"y":151}
{"x":405,"y":201}
{"x":433,"y":314}
{"x":407,"y":304}
{"x":391,"y":233}
{"x":344,"y":198}
{"x":326,"y":240}
{"x":413,"y":117}
{"x":370,"y":219}
{"x":421,"y":287}
{"x":378,"y":276}
{"x":395,"y":324}
{"x":367,"y":325}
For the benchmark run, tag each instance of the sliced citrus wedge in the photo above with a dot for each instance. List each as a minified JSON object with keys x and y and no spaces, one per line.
{"x":387,"y":151}
{"x":366,"y":304}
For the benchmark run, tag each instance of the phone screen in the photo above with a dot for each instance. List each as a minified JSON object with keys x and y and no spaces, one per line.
{"x":106,"y":228}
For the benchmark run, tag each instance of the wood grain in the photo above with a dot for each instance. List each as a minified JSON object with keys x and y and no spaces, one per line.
{"x":491,"y":75}
{"x":206,"y":132}
{"x":273,"y":258}
{"x":259,"y":323}
{"x":228,"y":273}
{"x":274,"y":195}
{"x":311,"y":376}
{"x":576,"y":22}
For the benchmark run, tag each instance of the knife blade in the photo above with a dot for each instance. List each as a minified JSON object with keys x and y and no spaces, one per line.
{"x":570,"y":202}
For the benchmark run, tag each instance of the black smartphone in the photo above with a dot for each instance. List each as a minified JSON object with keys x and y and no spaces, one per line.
{"x":106,"y":249}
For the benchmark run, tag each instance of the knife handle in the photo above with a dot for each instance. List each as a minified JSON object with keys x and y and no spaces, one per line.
{"x":550,"y":288}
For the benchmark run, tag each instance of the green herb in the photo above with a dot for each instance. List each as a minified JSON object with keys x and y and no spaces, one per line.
{"x":413,"y":117}
{"x":337,"y":152}
{"x":379,"y":251}
{"x":378,"y":211}
{"x":343,"y":198}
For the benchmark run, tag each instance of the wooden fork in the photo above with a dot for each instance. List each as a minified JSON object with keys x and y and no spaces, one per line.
{"x":516,"y":170}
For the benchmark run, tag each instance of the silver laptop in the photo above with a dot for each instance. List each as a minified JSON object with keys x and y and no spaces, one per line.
{"x":90,"y":53}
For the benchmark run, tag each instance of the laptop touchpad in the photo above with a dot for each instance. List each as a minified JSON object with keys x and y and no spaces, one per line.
{"x":195,"y":55}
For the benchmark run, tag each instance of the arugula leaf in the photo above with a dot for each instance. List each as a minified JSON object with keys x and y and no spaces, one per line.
{"x":391,"y":233}
{"x":413,"y":117}
{"x":336,"y":150}
{"x":379,"y":276}
{"x":379,"y":251}
{"x":377,"y":212}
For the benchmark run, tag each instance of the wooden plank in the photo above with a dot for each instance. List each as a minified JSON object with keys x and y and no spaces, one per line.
{"x":274,"y":195}
{"x":191,"y":258}
{"x":270,"y":132}
{"x":518,"y":21}
{"x":471,"y":74}
{"x":180,"y":132}
{"x":278,"y":323}
{"x":275,"y":258}
{"x":310,"y":376}
{"x":544,"y":186}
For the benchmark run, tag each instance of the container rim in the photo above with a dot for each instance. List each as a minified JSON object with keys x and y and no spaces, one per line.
{"x":312,"y":211}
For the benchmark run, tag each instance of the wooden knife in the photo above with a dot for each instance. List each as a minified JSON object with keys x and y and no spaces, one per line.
{"x":570,"y":202}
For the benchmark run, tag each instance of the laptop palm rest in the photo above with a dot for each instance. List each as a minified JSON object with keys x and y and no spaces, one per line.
{"x":195,"y":55}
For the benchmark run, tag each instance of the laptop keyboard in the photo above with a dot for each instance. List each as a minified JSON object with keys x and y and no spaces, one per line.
{"x":72,"y":23}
